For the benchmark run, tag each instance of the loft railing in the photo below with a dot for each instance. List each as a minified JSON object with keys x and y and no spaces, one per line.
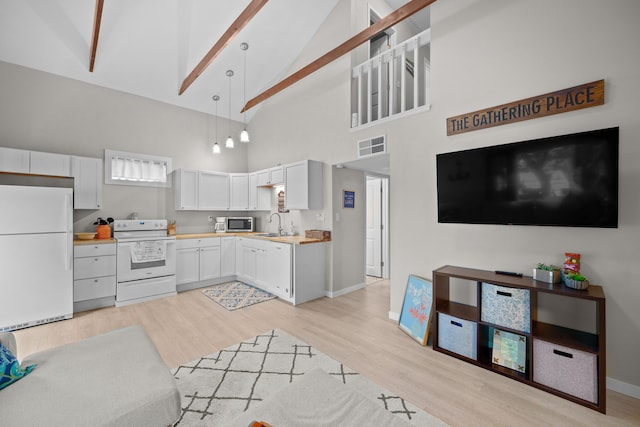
{"x":394,"y":82}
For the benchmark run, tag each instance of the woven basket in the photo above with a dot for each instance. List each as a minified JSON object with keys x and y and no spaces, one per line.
{"x":576,"y":284}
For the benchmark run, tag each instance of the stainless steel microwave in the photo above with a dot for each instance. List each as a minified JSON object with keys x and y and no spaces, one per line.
{"x":239,"y":224}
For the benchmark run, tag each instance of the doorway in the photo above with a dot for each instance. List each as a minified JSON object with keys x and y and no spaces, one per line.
{"x":377,"y":236}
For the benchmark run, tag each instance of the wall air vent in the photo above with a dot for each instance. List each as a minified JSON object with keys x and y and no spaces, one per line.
{"x":369,"y":147}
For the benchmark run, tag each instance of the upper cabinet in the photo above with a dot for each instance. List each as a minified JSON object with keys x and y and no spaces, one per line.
{"x":218,"y":191}
{"x":213,"y":191}
{"x":303,"y":183}
{"x":50,"y":164}
{"x":185,"y":184}
{"x":12,"y":160}
{"x":259,"y":197}
{"x":86,"y":171}
{"x":239,"y":188}
{"x":270,"y":177}
{"x":87,"y":185}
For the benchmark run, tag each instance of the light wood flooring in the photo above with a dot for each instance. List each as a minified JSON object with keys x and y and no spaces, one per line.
{"x":354,"y":329}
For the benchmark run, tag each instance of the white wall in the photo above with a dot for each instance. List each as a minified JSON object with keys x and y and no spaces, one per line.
{"x":484,"y":54}
{"x":44,"y":112}
{"x":488,"y":53}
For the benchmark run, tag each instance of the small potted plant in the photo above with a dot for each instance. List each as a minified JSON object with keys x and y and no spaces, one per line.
{"x":547,"y":273}
{"x":576,"y":281}
{"x":103,"y":228}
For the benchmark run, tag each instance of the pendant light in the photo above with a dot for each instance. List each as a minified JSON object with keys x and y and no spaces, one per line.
{"x":216,"y":146}
{"x":229,"y":143}
{"x":244,"y":135}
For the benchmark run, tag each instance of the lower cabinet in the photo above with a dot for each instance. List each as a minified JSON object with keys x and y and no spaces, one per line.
{"x":94,"y":276}
{"x":293,"y":272}
{"x":197,"y":260}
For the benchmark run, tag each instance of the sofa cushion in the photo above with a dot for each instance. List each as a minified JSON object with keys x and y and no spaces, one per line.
{"x":10,"y":369}
{"x":114,"y":379}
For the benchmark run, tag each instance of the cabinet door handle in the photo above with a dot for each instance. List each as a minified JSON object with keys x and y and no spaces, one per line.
{"x":504,"y":294}
{"x":563,"y":354}
{"x":458,"y":324}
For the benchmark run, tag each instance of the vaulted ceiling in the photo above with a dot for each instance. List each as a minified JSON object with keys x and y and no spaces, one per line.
{"x":149,"y":47}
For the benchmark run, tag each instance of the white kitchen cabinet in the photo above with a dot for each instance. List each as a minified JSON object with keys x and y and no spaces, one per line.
{"x":87,"y":185}
{"x":14,"y":160}
{"x":227,"y":256}
{"x":94,"y":276}
{"x":259,"y":197}
{"x":213,"y":191}
{"x":279,"y":269}
{"x":276,"y":174}
{"x":304,"y":185}
{"x":295,"y":273}
{"x":254,"y":264}
{"x":272,"y":176}
{"x":246,"y":255}
{"x":50,"y":164}
{"x":185,"y":184}
{"x":210,"y":259}
{"x":197,"y":260}
{"x":187,"y":261}
{"x":239,"y":191}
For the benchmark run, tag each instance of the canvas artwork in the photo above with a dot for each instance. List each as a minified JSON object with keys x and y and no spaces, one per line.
{"x":415,"y":316}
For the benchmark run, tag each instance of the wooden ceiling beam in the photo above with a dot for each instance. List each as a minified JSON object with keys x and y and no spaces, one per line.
{"x":390,"y":20}
{"x":97,"y":19}
{"x":242,"y":20}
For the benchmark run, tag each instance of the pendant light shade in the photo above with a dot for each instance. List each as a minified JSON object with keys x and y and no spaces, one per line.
{"x":229,"y":143}
{"x":216,"y":146}
{"x":244,"y":135}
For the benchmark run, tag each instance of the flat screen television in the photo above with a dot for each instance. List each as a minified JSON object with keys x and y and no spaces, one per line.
{"x":568,"y":180}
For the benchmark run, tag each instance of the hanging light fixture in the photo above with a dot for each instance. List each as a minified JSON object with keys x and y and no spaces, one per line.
{"x":229,"y":143}
{"x":216,"y":146}
{"x":244,"y":135}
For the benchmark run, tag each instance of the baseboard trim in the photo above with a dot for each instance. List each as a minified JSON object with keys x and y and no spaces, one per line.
{"x":332,"y":294}
{"x":621,"y":387}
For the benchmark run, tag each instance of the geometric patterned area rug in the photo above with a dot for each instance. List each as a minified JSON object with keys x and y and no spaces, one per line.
{"x":235,"y":295}
{"x":219,"y":388}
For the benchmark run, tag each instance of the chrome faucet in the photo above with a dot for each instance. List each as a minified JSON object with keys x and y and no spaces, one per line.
{"x":279,"y":222}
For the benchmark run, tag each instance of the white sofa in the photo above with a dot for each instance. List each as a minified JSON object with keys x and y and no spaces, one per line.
{"x":114,"y":379}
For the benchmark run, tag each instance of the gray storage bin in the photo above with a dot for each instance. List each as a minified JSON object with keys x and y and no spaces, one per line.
{"x":566,"y":369}
{"x":504,"y":306}
{"x":458,"y":335}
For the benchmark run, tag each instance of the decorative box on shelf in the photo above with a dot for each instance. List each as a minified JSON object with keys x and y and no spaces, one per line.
{"x":549,"y":276}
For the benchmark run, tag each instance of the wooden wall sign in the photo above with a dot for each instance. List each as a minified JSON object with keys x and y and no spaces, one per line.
{"x":562,"y":101}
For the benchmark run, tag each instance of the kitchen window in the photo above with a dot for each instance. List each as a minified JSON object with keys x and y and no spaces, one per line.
{"x":122,"y":168}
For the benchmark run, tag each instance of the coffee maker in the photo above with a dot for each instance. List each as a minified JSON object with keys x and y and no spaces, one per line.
{"x":221,"y":224}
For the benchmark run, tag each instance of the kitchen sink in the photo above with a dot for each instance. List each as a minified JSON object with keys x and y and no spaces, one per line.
{"x":267,"y":235}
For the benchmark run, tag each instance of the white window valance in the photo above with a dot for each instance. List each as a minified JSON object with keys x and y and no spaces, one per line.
{"x":123,"y":168}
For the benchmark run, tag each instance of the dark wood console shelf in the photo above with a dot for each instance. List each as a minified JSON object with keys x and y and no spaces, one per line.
{"x":567,"y":362}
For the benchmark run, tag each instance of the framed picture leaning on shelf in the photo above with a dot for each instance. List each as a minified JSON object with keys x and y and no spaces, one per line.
{"x":417,"y":306}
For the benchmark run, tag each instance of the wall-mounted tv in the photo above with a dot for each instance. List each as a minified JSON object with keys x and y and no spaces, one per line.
{"x":568,"y":180}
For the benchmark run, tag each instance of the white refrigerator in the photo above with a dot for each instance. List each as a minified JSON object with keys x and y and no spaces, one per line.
{"x":36,"y":251}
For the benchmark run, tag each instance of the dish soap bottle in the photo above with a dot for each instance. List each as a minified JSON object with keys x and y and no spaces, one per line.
{"x":292,"y":230}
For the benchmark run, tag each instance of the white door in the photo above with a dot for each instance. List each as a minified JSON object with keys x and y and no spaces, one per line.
{"x":374,"y":227}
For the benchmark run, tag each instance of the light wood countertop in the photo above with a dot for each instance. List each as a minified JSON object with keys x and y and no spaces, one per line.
{"x":93,"y":241}
{"x":295,"y":240}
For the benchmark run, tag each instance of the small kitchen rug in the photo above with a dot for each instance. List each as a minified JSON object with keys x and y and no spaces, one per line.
{"x":235,"y":295}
